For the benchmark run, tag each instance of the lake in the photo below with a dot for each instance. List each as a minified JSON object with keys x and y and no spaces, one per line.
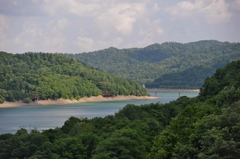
{"x":51,"y":116}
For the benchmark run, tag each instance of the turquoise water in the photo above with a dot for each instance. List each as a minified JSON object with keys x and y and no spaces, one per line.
{"x":51,"y":116}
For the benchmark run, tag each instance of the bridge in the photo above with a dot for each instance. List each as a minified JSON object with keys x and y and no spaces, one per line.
{"x":171,"y":90}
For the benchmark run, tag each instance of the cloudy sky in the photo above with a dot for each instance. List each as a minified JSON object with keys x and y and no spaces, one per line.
{"x":76,"y":26}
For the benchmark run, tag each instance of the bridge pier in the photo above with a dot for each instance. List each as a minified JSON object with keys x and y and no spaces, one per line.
{"x":156,"y":94}
{"x":179,"y":94}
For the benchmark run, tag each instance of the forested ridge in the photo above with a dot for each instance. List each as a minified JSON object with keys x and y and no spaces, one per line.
{"x":53,"y":76}
{"x":192,"y":77}
{"x":209,"y":128}
{"x":206,"y":126}
{"x":157,"y":64}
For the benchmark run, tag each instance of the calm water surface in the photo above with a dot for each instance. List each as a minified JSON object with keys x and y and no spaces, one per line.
{"x":51,"y":116}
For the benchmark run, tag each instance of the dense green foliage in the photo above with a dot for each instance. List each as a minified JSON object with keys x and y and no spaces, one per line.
{"x":162,"y":61}
{"x":224,"y":79}
{"x":127,"y":134}
{"x":206,"y":126}
{"x":56,"y":76}
{"x":207,"y":129}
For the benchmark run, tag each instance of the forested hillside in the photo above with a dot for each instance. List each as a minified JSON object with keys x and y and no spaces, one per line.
{"x":56,"y":76}
{"x":146,"y":64}
{"x":192,"y":77}
{"x":207,"y":126}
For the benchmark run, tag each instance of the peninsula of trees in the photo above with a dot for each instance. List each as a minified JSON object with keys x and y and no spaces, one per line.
{"x":167,"y":65}
{"x":53,"y":76}
{"x":206,"y":126}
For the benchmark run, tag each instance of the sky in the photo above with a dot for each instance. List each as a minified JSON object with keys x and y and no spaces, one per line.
{"x":77,"y":26}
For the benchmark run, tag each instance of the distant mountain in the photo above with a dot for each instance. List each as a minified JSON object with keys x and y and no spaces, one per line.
{"x":56,"y":76}
{"x":192,"y":77}
{"x":144,"y":65}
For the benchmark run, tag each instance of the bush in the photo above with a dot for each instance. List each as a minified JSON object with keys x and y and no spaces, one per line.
{"x":2,"y":99}
{"x":27,"y":100}
{"x":78,"y":97}
{"x":66,"y":97}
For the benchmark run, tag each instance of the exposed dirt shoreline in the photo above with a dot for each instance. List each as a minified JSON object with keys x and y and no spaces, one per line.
{"x":68,"y":101}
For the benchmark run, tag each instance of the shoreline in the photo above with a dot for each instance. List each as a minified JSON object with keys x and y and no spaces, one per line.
{"x":69,"y":101}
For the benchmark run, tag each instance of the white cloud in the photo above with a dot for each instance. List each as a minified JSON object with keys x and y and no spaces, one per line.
{"x":29,"y":36}
{"x":182,"y":9}
{"x":80,"y":25}
{"x":214,"y":11}
{"x":4,"y":25}
{"x":77,"y":7}
{"x":35,"y":37}
{"x":157,"y":21}
{"x":146,"y":32}
{"x":84,"y":43}
{"x":108,"y":16}
{"x":61,"y":24}
{"x":117,"y":41}
{"x":120,"y":17}
{"x":142,"y":43}
{"x":236,"y":4}
{"x":160,"y":31}
{"x":156,"y":8}
{"x":153,"y":28}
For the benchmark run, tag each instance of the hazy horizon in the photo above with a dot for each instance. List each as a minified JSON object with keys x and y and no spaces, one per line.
{"x":118,"y":48}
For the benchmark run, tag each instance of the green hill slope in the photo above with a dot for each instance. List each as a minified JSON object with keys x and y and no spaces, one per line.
{"x":209,"y":128}
{"x":203,"y":127}
{"x":151,"y":62}
{"x":192,"y":77}
{"x":56,"y":76}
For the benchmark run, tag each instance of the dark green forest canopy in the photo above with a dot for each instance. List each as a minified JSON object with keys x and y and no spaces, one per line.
{"x":127,"y":134}
{"x":56,"y":76}
{"x":209,"y":128}
{"x":160,"y":62}
{"x":206,"y":126}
